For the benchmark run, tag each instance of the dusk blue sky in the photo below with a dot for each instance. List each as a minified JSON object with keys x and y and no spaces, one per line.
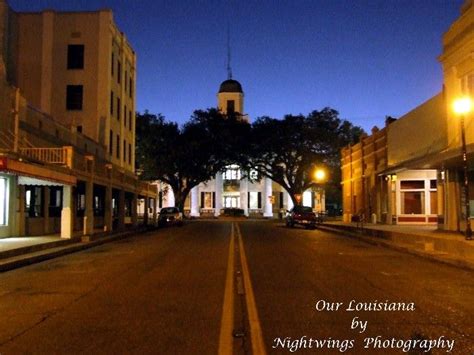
{"x":366,"y":59}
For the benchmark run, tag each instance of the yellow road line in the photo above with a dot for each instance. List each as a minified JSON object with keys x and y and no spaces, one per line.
{"x":258,"y":346}
{"x":227,"y":320}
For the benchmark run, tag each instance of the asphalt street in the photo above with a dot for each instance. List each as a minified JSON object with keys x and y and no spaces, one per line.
{"x":194,"y":289}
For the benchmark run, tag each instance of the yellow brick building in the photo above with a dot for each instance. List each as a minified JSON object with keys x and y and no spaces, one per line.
{"x":421,"y":179}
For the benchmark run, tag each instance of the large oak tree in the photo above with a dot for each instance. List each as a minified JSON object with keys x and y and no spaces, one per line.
{"x":289,"y":150}
{"x":185,"y":156}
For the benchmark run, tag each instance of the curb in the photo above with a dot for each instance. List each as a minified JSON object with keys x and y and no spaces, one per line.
{"x":52,"y":253}
{"x":446,"y":259}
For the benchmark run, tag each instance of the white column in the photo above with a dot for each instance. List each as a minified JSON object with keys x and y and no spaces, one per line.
{"x":66,"y":213}
{"x":219,"y":186}
{"x":89,"y":212}
{"x":170,"y":202}
{"x":268,"y":192}
{"x":289,"y":202}
{"x":195,"y":201}
{"x":244,"y":193}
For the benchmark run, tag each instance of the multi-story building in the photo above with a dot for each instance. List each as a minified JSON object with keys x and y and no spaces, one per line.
{"x":67,"y":127}
{"x":418,"y":176}
{"x":257,"y":196}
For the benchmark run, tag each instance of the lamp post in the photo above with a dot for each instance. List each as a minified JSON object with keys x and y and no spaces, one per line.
{"x":320,"y":177}
{"x":462,"y":106}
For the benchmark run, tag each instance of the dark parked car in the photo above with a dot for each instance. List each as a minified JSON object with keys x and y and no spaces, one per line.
{"x":301,"y":215}
{"x":170,"y":216}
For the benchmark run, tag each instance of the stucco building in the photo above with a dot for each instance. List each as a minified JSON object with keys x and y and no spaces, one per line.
{"x":67,"y":127}
{"x":411,"y":171}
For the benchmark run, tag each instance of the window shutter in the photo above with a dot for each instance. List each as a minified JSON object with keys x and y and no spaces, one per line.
{"x":160,"y":199}
{"x":312,"y":199}
{"x":248,"y":199}
{"x":214,"y":199}
{"x":259,"y":199}
{"x":281,"y":199}
{"x":202,"y":199}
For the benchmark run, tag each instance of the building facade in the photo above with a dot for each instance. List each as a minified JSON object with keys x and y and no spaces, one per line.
{"x":67,"y":127}
{"x":257,"y":196}
{"x":419,"y":177}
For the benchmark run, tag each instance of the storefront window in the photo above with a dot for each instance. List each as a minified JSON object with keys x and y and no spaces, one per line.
{"x":412,"y":202}
{"x":3,"y":201}
{"x":34,"y":201}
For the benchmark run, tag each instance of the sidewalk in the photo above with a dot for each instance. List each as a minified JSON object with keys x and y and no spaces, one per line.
{"x":426,"y":241}
{"x":22,"y":251}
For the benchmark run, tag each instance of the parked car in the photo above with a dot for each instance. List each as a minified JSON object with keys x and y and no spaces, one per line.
{"x":170,"y":216}
{"x":301,"y":215}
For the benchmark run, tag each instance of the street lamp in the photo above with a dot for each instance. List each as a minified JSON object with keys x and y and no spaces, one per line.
{"x":462,"y":106}
{"x":319,"y":175}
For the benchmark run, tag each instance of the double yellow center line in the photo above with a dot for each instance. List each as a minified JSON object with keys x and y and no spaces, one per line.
{"x":226,"y":339}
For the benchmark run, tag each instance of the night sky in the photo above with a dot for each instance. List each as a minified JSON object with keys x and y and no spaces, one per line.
{"x":366,"y":59}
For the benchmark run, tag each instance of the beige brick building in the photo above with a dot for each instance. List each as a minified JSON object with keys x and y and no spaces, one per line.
{"x":67,"y":127}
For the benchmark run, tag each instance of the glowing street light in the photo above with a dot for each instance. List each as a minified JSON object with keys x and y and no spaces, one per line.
{"x":462,"y":106}
{"x":320,"y":175}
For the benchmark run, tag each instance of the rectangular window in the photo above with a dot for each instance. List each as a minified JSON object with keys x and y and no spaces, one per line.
{"x":111,"y":103}
{"x":34,"y":201}
{"x":467,"y":84}
{"x":130,"y":120}
{"x":129,"y":153}
{"x":3,"y":201}
{"x":412,"y":184}
{"x":112,"y":63}
{"x":111,"y":142}
{"x":118,"y":147}
{"x":74,"y":97}
{"x":119,"y":72}
{"x":412,"y":202}
{"x":232,"y":174}
{"x":130,"y":88}
{"x":79,"y":129}
{"x":124,"y":150}
{"x":75,"y":56}
{"x":55,"y":201}
{"x":125,"y":80}
{"x":253,"y":200}
{"x":125,"y":115}
{"x":207,"y":200}
{"x":118,"y":108}
{"x":230,"y":106}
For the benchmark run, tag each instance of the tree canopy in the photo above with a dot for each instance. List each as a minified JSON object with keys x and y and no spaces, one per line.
{"x":286,"y":150}
{"x":185,"y":156}
{"x":289,"y":150}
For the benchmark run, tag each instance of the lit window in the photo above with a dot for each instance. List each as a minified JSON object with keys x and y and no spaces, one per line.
{"x":232,"y":173}
{"x":253,"y":200}
{"x":3,"y":201}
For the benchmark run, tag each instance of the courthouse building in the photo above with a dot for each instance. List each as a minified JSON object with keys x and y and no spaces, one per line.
{"x":67,"y":125}
{"x":257,"y":196}
{"x":411,"y":171}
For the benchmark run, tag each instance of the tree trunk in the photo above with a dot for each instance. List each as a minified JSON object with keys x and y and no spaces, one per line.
{"x":180,"y":198}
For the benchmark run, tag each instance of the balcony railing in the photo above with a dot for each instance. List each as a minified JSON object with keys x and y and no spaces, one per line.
{"x":60,"y":156}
